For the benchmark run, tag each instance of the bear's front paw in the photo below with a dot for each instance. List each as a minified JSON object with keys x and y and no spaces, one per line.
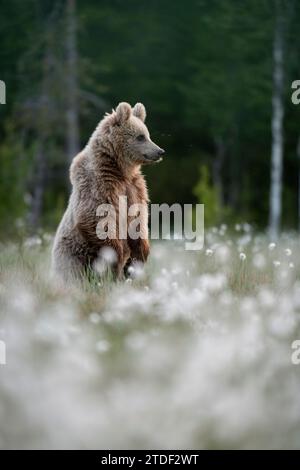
{"x":142,"y":250}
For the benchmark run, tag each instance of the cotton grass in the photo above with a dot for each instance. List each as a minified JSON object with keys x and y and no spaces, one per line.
{"x":193,"y":352}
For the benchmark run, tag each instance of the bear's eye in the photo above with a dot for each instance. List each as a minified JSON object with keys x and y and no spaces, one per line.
{"x":140,"y":138}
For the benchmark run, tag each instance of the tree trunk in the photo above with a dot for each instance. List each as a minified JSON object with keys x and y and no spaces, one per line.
{"x":277,"y":124}
{"x":72,"y":85}
{"x":43,"y":124}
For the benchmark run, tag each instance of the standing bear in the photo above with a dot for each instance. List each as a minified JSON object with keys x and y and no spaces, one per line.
{"x":106,"y":169}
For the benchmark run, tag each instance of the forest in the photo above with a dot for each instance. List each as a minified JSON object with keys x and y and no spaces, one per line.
{"x":215,"y":77}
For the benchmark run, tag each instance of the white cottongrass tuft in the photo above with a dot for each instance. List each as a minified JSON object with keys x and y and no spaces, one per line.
{"x":102,"y":346}
{"x":259,"y":261}
{"x":106,"y":258}
{"x":94,"y":318}
{"x":223,"y":254}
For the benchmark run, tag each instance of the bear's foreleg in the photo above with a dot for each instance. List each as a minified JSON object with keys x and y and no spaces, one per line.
{"x":139,"y":249}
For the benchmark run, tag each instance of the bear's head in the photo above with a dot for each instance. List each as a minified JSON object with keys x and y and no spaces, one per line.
{"x":128,"y":135}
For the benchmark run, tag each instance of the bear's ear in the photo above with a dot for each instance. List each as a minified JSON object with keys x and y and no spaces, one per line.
{"x":139,"y":111}
{"x":123,"y":112}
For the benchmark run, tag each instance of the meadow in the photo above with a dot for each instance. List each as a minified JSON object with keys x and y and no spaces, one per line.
{"x":194,"y":352}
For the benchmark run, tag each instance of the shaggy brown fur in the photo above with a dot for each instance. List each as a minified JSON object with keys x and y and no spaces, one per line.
{"x":107,"y":168}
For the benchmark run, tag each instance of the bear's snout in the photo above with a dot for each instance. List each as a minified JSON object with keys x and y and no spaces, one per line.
{"x":154,"y":156}
{"x":158,"y":157}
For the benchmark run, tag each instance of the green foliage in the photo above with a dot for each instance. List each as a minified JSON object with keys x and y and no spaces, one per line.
{"x":207,"y":194}
{"x":14,"y":167}
{"x":204,"y":72}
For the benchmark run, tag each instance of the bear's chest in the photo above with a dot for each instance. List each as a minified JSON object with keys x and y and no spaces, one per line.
{"x":133,"y":195}
{"x":136,"y":191}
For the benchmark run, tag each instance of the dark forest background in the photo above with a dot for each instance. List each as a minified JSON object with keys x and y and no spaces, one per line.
{"x":215,"y":77}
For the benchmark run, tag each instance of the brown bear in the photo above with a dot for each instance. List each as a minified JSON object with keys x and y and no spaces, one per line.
{"x":107,"y":168}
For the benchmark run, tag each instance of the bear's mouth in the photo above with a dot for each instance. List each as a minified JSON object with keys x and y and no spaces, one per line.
{"x":154,"y":159}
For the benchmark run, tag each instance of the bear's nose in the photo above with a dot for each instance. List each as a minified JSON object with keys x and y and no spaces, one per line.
{"x":161,"y":152}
